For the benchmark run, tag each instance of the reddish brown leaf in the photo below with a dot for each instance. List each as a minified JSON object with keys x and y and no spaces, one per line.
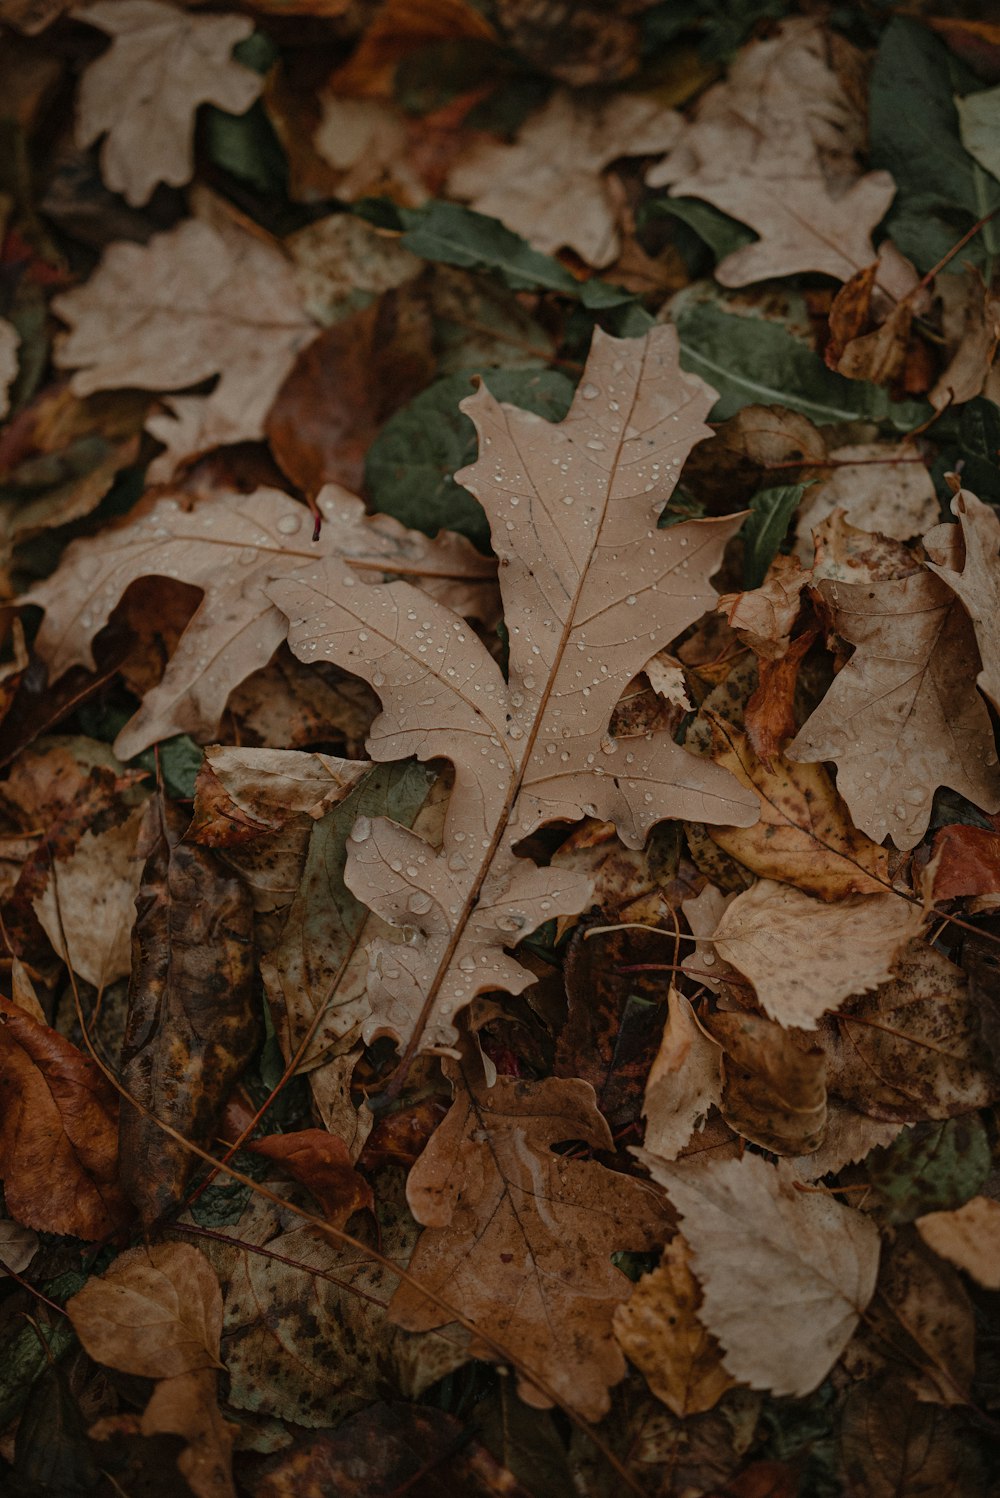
{"x":966,"y":861}
{"x":850,"y":312}
{"x":770,"y":712}
{"x":58,"y":1132}
{"x":322,"y":1163}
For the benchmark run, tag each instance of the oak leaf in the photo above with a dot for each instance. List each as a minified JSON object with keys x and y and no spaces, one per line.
{"x":659,"y":1330}
{"x":805,"y":1267}
{"x":518,"y":1237}
{"x":776,"y":146}
{"x":685,"y":1080}
{"x":144,"y":91}
{"x":58,"y":1132}
{"x":591,"y":589}
{"x":548,"y":186}
{"x":967,"y":1238}
{"x":804,"y":956}
{"x":903,"y":716}
{"x":231,"y":546}
{"x":207,"y":298}
{"x":978,"y":584}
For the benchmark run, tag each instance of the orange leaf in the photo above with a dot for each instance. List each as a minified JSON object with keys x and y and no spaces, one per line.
{"x":322,"y":1163}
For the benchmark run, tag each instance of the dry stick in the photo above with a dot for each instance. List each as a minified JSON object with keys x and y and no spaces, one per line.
{"x":338,"y":1235}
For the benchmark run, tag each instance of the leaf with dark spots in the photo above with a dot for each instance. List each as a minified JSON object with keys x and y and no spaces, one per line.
{"x":191,"y":1025}
{"x":930,"y":1167}
{"x":58,"y":1132}
{"x":344,"y":386}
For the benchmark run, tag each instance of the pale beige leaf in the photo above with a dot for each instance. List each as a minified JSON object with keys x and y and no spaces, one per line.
{"x":805,"y":956}
{"x":157,"y":1312}
{"x":591,"y":589}
{"x":659,"y":1331}
{"x":967,"y":1238}
{"x":684,"y":1082}
{"x":340,"y":255}
{"x":187,"y":1405}
{"x":204,"y":299}
{"x":777,"y":145}
{"x":10,"y":342}
{"x":367,"y":141}
{"x":666,"y":676}
{"x":703,"y":912}
{"x":271,"y":785}
{"x":548,"y":185}
{"x":972,"y":360}
{"x":18,"y":1246}
{"x":903,"y":716}
{"x":231,"y":546}
{"x":87,"y":908}
{"x":978,"y":584}
{"x":784,"y":1274}
{"x":145,"y":90}
{"x":519,"y":1238}
{"x":882,"y":487}
{"x":764,"y":617}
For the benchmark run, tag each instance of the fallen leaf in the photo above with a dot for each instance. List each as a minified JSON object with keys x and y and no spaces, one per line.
{"x":978,"y":586}
{"x":659,"y":1331}
{"x":929,"y":1166}
{"x":58,"y":1133}
{"x":685,"y":1080}
{"x":578,"y":41}
{"x":892,"y":1446}
{"x":191,"y":1026}
{"x":804,"y":956}
{"x":203,"y":299}
{"x":517,"y":1237}
{"x":10,"y":342}
{"x":241,"y":794}
{"x":322,"y":1163}
{"x":144,"y":91}
{"x":187,"y":1406}
{"x":548,"y":185}
{"x":966,"y":861}
{"x":230,"y":545}
{"x":340,"y":256}
{"x":18,"y":1247}
{"x":399,"y":28}
{"x":967,"y":1238}
{"x":883,"y":486}
{"x":770,"y":715}
{"x":914,"y":1048}
{"x":773,"y":1084}
{"x":922,"y":1321}
{"x":968,"y":370}
{"x":805,"y":1262}
{"x":848,"y":1138}
{"x":587,"y":541}
{"x":902,"y":717}
{"x":703,"y":912}
{"x":776,"y":146}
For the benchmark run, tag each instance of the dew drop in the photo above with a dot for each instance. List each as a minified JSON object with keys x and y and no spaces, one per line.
{"x":467,"y":964}
{"x":361,"y":830}
{"x":419,"y":902}
{"x":589,"y":392}
{"x":289,"y":524}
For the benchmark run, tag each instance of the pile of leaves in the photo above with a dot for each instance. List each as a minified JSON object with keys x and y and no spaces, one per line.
{"x":500,"y":805}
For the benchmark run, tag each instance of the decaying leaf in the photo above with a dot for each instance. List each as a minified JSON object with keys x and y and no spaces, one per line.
{"x":144,"y":91}
{"x":536,"y":748}
{"x":810,"y":1261}
{"x":231,"y":546}
{"x":773,"y":1084}
{"x":903,"y":716}
{"x":967,"y":1237}
{"x":244,"y":793}
{"x":548,"y":185}
{"x":892,"y":1446}
{"x":776,"y":146}
{"x":322,"y":1163}
{"x":804,"y":956}
{"x":685,"y":1081}
{"x":10,"y":342}
{"x":58,"y":1132}
{"x":978,"y":585}
{"x":191,"y":1021}
{"x":884,"y":487}
{"x":517,"y":1237}
{"x":659,"y":1330}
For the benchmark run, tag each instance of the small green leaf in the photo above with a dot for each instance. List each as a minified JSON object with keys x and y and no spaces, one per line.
{"x":764,"y":529}
{"x":931,"y":1167}
{"x":723,"y":235}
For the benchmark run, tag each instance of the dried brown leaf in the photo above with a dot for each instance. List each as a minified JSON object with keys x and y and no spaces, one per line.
{"x":773,"y":1083}
{"x":967,"y":1238}
{"x":322,"y":1163}
{"x":805,"y":1266}
{"x":145,"y":89}
{"x":978,"y":584}
{"x":685,"y":1081}
{"x":884,"y":486}
{"x":537,"y":748}
{"x":891,"y":1446}
{"x":241,"y":794}
{"x":903,"y":716}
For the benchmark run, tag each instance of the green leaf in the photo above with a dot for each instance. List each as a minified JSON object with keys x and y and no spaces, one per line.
{"x":764,"y":529}
{"x":752,"y":361}
{"x":180,"y":761}
{"x":722,"y":234}
{"x":247,"y":147}
{"x":979,"y":126}
{"x":23,"y":1358}
{"x":914,"y":134}
{"x":931,"y":1167}
{"x":410,"y":465}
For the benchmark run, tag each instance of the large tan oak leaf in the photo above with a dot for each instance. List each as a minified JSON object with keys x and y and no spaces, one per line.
{"x":903,"y":716}
{"x":784,"y":1274}
{"x":145,"y":90}
{"x":804,"y":956}
{"x":231,"y":546}
{"x":775,"y":145}
{"x":591,"y":590}
{"x":204,"y":299}
{"x":519,"y":1238}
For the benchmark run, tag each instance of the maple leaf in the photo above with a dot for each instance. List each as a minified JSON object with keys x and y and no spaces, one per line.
{"x":548,"y":186}
{"x":231,"y":546}
{"x":58,"y":1132}
{"x":207,"y":298}
{"x":804,"y":956}
{"x":805,"y":1262}
{"x":775,"y":147}
{"x":903,"y":716}
{"x":591,"y":589}
{"x":978,"y":584}
{"x":518,"y":1237}
{"x":144,"y":91}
